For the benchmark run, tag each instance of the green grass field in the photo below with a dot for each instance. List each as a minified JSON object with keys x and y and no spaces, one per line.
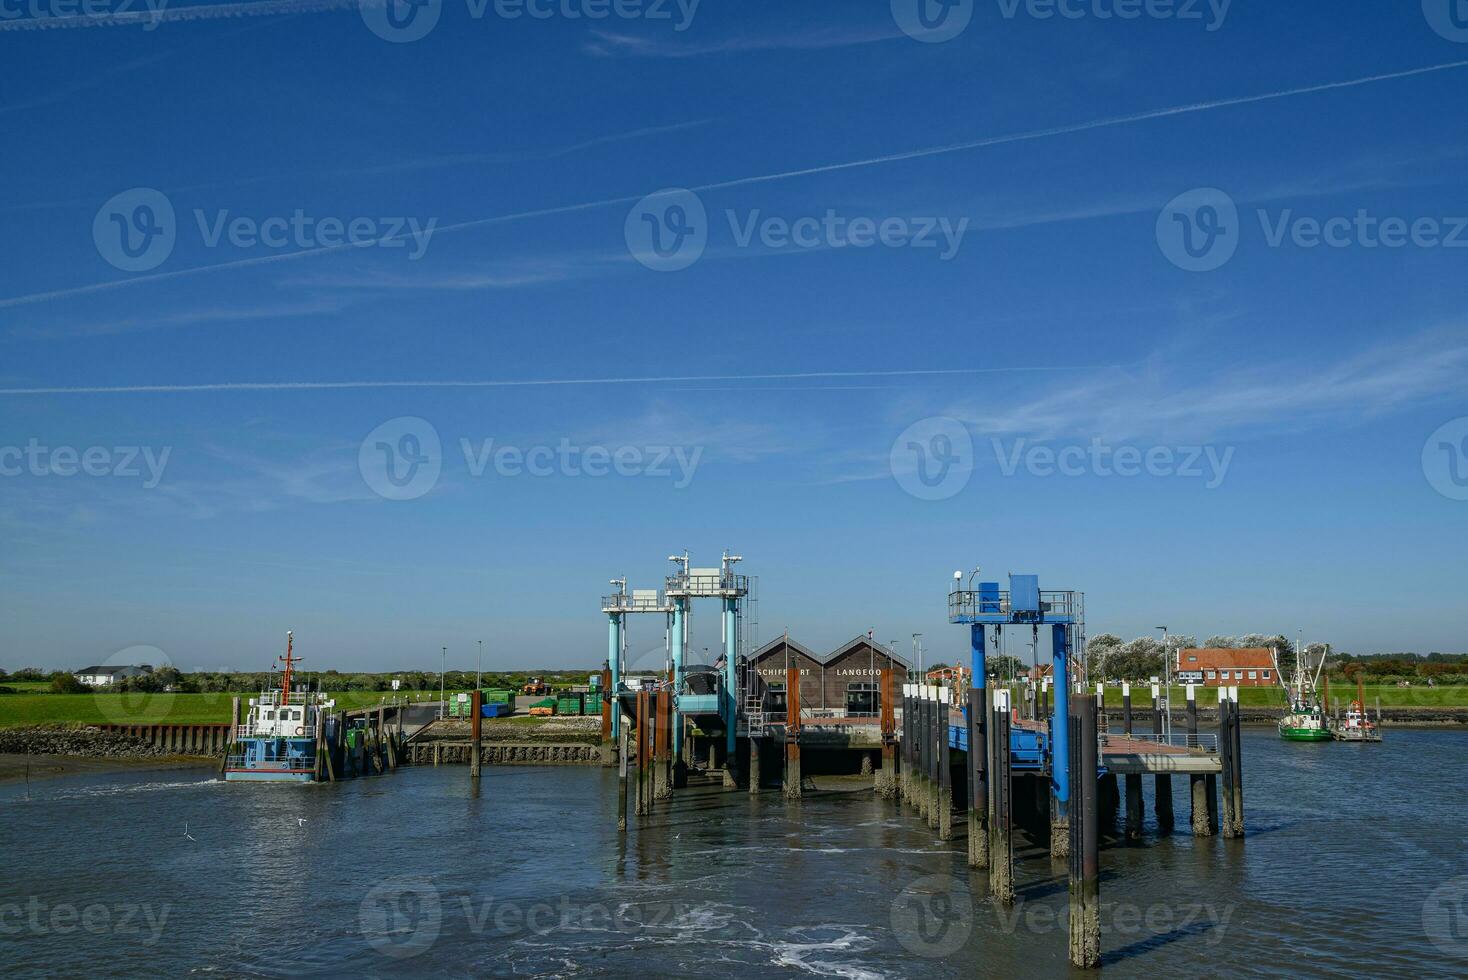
{"x":149,"y":709}
{"x":1416,"y":696}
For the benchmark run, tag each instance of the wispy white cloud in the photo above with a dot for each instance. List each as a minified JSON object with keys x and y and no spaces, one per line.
{"x":183,"y":318}
{"x":1161,"y":401}
{"x":610,"y":44}
{"x":914,"y":154}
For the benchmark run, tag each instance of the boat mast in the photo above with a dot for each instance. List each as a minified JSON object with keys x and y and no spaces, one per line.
{"x":289,"y":661}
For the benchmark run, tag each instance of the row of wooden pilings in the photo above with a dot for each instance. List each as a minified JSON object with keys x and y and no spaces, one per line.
{"x":926,"y":786}
{"x":182,"y":739}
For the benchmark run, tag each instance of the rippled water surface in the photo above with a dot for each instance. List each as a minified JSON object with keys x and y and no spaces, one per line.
{"x":1353,"y":865}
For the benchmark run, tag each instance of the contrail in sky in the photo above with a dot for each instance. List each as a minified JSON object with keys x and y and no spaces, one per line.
{"x":528,"y":383}
{"x":1105,"y":122}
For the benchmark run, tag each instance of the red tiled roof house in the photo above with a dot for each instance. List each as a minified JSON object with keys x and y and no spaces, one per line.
{"x":1244,"y":667}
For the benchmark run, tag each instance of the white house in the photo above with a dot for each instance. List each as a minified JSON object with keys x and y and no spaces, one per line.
{"x":103,"y":676}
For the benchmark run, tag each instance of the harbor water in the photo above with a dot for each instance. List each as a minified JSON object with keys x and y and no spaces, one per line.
{"x":1353,"y":865}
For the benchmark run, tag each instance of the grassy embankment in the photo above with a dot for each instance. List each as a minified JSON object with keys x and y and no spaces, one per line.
{"x":1417,"y":696}
{"x":149,"y":709}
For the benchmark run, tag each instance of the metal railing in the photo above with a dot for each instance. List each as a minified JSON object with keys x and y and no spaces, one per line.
{"x":251,"y":729}
{"x":721,"y":584}
{"x":964,"y":602}
{"x":630,"y":602}
{"x":296,"y":764}
{"x":1179,"y":740}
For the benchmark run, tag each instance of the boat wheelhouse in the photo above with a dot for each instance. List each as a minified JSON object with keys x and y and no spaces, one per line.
{"x":280,"y":738}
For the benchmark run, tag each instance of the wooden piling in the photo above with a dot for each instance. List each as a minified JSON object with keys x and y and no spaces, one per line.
{"x":886,"y":781}
{"x":945,"y":770}
{"x":754,"y":767}
{"x":924,"y":775}
{"x":905,"y":777}
{"x":792,"y":733}
{"x":1133,"y":806}
{"x":644,"y":748}
{"x":1085,"y":852}
{"x":1162,"y":802}
{"x":1001,"y":791}
{"x":622,"y":772}
{"x":978,"y":793}
{"x":1197,"y":783}
{"x":662,"y":749}
{"x":1126,"y":708}
{"x":1237,"y":756}
{"x":476,"y":723}
{"x":1225,"y":758}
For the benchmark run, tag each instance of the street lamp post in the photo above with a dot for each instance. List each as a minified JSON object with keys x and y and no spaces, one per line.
{"x":917,"y":652}
{"x":442,"y":666}
{"x":479,"y":666}
{"x":1166,"y":684}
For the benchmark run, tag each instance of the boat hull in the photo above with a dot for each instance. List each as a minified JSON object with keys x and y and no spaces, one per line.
{"x":1291,"y":734}
{"x":267,"y":776}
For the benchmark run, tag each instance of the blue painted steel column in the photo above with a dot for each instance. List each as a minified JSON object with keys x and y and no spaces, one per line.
{"x":676,"y":639}
{"x":977,"y":678}
{"x":614,"y":661}
{"x":731,"y":680}
{"x":1060,"y":724}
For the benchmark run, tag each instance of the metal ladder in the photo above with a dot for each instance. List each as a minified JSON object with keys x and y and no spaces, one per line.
{"x":754,"y":715}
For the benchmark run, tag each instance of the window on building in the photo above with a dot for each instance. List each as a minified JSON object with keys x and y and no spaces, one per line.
{"x":1266,"y":675}
{"x":1212,"y":675}
{"x":861,"y":698}
{"x":1253,"y":675}
{"x":1238,"y":675}
{"x":776,"y":701}
{"x":1192,"y":660}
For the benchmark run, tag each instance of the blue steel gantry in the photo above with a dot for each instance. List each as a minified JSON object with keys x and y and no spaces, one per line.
{"x":675,"y":601}
{"x":988,"y":610}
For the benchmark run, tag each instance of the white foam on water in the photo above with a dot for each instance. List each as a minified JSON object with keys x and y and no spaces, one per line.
{"x":93,"y":792}
{"x":804,"y":956}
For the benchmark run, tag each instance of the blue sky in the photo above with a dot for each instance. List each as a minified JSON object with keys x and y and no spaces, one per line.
{"x":1059,"y":153}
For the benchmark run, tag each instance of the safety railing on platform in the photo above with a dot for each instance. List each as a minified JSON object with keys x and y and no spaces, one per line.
{"x":965,"y":602}
{"x":1177,"y":740}
{"x":252,"y":729}
{"x":295,"y":764}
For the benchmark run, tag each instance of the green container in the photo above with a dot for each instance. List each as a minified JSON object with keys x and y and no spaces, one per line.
{"x":568,"y":706}
{"x":499,"y":695}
